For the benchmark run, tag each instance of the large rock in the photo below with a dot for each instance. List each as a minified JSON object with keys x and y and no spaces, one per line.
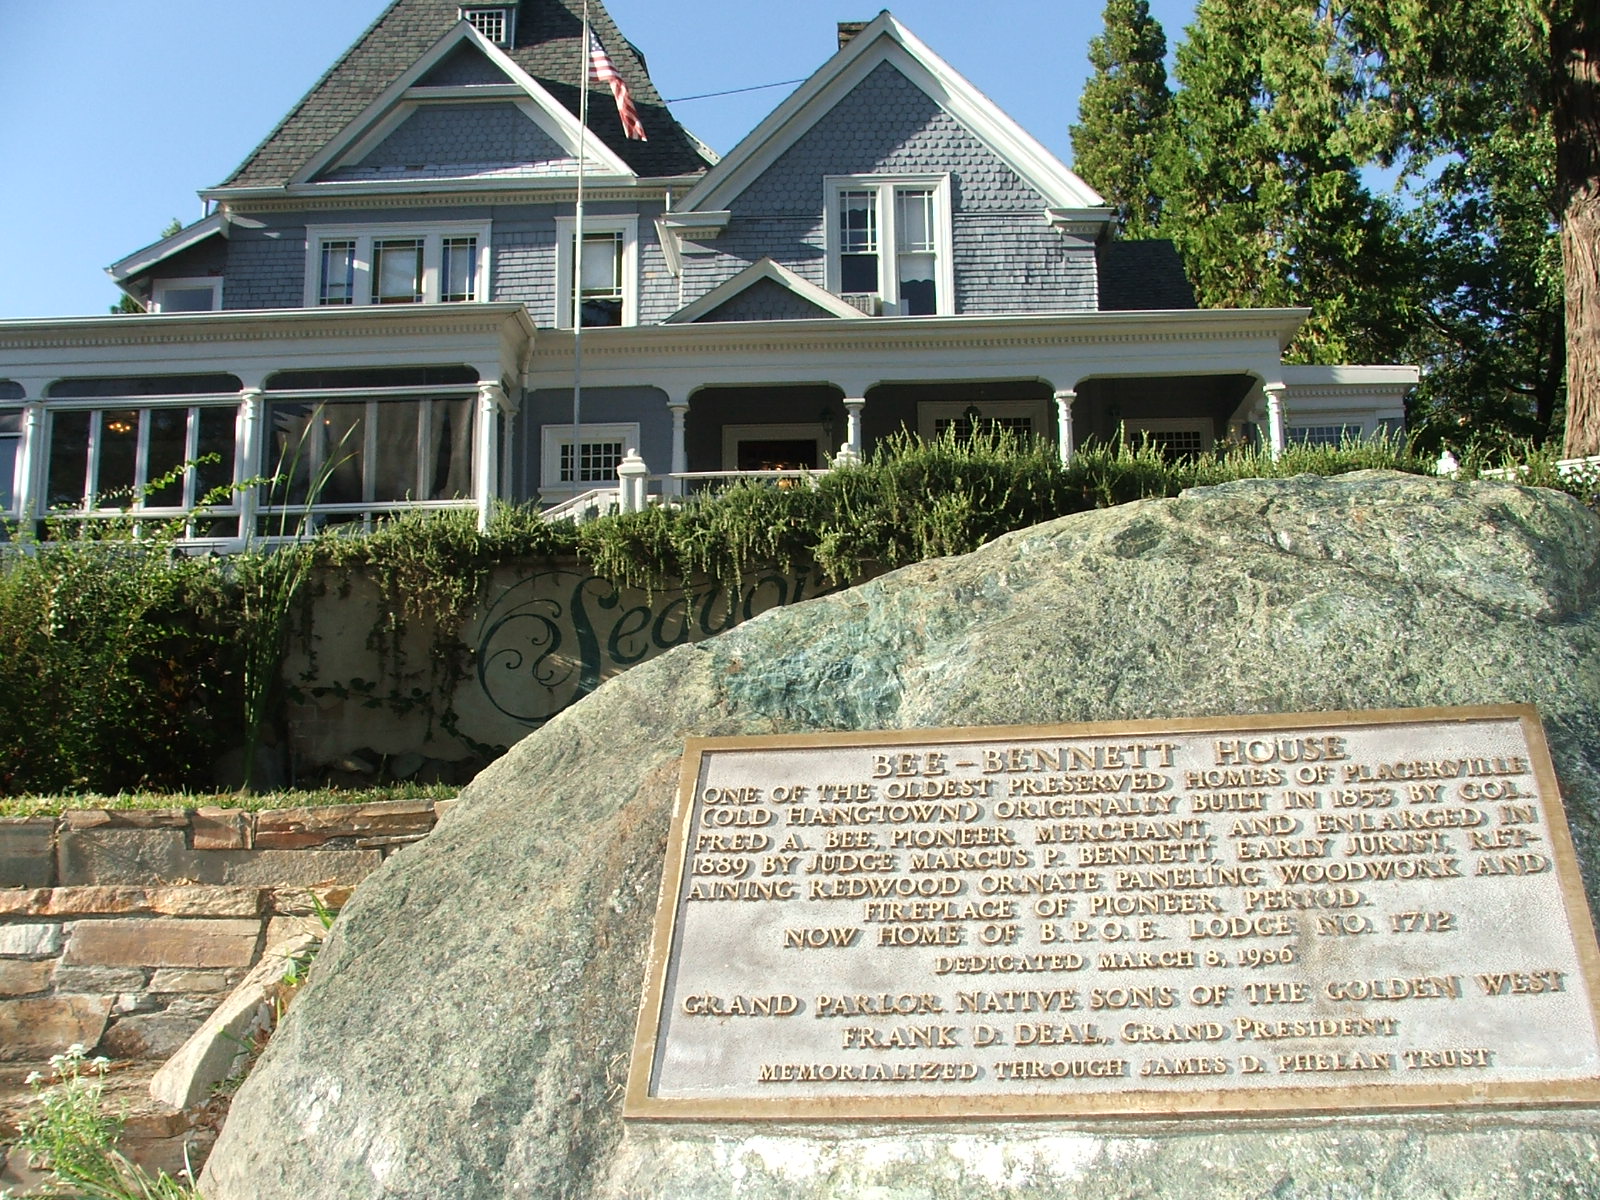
{"x":469,"y":1024}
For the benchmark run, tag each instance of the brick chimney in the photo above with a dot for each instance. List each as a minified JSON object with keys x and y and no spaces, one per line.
{"x":848,"y":31}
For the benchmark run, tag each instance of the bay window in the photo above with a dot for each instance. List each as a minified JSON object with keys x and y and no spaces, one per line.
{"x":888,"y":240}
{"x":441,"y":263}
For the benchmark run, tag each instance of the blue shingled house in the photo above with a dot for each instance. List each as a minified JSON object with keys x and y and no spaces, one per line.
{"x":384,"y":289}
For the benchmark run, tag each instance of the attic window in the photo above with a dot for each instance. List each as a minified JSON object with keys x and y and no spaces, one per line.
{"x":496,"y":24}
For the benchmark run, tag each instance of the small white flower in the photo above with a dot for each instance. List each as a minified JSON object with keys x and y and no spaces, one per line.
{"x":33,"y":1078}
{"x":76,"y":1050}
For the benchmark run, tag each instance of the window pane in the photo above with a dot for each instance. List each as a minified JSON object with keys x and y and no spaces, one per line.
{"x":394,"y":469}
{"x":119,"y":451}
{"x":597,"y":462}
{"x":458,"y":269}
{"x":858,"y":222}
{"x":10,"y":448}
{"x":918,"y":294}
{"x":69,"y":458}
{"x":338,"y":278}
{"x":342,"y":430}
{"x":914,"y":220}
{"x":450,"y":460}
{"x":187,"y":299}
{"x":216,"y":438}
{"x":169,"y":429}
{"x":397,"y":271}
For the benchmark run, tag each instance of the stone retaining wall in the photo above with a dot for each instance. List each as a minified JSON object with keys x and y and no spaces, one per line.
{"x":123,"y":930}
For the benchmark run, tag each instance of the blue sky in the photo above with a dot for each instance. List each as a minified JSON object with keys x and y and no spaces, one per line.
{"x":117,"y":111}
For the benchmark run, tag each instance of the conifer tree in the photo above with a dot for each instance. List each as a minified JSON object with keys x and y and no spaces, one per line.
{"x":1123,"y":113}
{"x":1261,"y":187}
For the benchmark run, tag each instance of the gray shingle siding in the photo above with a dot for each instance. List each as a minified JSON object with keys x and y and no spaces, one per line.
{"x":524,"y":264}
{"x":463,"y":136}
{"x":266,"y":269}
{"x":1007,"y":258}
{"x":1009,"y":264}
{"x":463,"y":66}
{"x":765,"y":300}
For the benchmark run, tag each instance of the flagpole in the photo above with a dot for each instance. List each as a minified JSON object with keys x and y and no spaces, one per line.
{"x":577,"y":257}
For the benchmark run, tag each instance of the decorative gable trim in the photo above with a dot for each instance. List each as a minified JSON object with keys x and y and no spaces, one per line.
{"x":391,"y":107}
{"x":764,"y":269}
{"x":886,"y":40}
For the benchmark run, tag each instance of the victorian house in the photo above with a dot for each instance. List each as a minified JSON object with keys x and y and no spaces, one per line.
{"x":378,"y":311}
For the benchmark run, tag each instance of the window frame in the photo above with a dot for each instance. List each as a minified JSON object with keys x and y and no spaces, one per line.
{"x":11,"y":445}
{"x":556,"y":436}
{"x":795,"y":431}
{"x":212,"y":283}
{"x":89,"y":505}
{"x":886,"y":191}
{"x":931,"y":412}
{"x":1204,"y":426}
{"x":279,"y":514}
{"x":566,"y":229}
{"x":365,"y":240}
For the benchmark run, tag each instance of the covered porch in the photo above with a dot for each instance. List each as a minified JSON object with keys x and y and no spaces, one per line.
{"x":712,"y":400}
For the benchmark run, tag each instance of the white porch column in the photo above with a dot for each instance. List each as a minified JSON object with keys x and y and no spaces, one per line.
{"x":678,"y":406}
{"x":249,"y":432}
{"x":30,"y":484}
{"x":852,"y":413}
{"x":1275,"y":430}
{"x":1064,"y":399}
{"x":486,"y":451}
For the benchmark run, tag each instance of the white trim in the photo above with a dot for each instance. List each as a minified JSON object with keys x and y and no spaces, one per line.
{"x":557,"y":121}
{"x":886,"y":40}
{"x":628,"y":227}
{"x":799,"y":431}
{"x":886,"y":188}
{"x":432,"y":234}
{"x":761,"y":269}
{"x":212,"y":283}
{"x":552,"y":437}
{"x":930,"y":412}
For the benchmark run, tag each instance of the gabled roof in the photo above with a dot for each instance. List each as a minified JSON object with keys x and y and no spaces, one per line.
{"x":886,"y":40}
{"x":398,"y":102}
{"x":191,"y":235}
{"x":765,"y":270}
{"x":548,"y":36}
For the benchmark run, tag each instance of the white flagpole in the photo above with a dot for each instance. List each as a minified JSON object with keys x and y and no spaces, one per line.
{"x":577,"y":257}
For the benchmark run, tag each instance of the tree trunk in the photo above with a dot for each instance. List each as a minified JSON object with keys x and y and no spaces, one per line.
{"x":1575,"y":63}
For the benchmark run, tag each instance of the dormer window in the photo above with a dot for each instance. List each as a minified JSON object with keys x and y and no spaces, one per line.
{"x":496,"y":22}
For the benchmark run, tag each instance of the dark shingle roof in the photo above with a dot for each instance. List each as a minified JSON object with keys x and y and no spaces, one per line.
{"x":547,"y":47}
{"x":1137,"y":275}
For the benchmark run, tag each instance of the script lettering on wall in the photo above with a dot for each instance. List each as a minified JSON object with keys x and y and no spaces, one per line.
{"x":1335,"y":911}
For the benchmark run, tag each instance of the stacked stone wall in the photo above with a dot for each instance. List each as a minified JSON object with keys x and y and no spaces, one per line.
{"x":122,"y":930}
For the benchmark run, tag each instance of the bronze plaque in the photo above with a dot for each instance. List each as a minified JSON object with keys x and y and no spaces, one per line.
{"x":1318,"y":912}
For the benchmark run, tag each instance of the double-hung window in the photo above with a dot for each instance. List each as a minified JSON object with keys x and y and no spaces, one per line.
{"x":889,"y":243}
{"x":366,"y":264}
{"x":607,"y":274}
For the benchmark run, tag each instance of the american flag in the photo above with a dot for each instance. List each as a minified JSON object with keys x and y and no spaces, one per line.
{"x":601,"y":70}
